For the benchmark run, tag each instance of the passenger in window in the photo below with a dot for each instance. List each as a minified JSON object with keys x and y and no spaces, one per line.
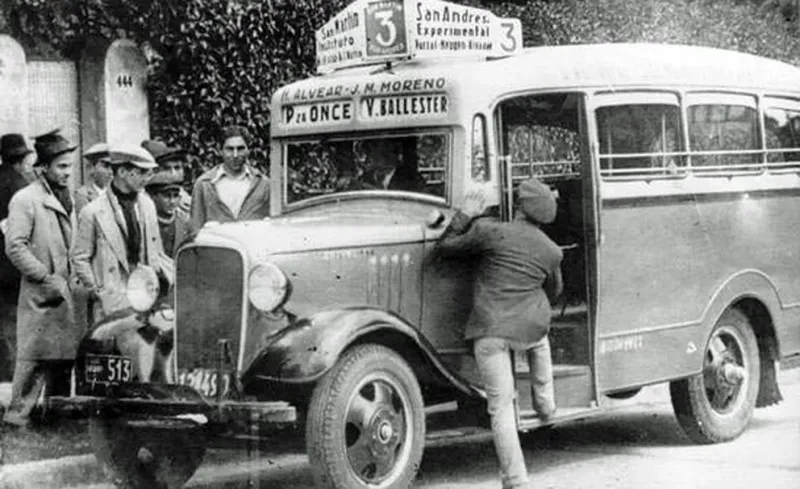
{"x":518,"y":279}
{"x":233,"y":190}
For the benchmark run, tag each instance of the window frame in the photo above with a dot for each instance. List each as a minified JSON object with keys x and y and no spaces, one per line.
{"x":604,"y":99}
{"x":720,"y":97}
{"x":446,"y":131}
{"x":777,"y":102}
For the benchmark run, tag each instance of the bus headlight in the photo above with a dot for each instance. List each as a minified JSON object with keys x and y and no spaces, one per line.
{"x":143,"y":288}
{"x":268,"y":287}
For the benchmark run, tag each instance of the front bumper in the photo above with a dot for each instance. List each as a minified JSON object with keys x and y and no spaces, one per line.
{"x":217,"y":414}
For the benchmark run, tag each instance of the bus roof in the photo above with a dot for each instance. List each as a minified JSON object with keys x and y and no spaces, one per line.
{"x":589,"y":66}
{"x":599,"y":65}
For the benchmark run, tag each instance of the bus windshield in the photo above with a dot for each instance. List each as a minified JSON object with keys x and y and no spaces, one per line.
{"x":416,"y":163}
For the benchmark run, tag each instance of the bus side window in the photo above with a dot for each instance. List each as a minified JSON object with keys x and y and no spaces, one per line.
{"x":723,"y":132}
{"x":639,"y":135}
{"x":782,"y":129}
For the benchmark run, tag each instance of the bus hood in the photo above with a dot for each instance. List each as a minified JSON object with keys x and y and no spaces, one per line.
{"x":302,"y":234}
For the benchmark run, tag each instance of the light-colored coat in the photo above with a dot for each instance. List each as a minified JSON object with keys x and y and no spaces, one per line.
{"x":37,"y":243}
{"x":99,"y":255}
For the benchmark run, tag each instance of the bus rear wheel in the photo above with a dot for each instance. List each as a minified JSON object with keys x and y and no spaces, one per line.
{"x":716,"y":405}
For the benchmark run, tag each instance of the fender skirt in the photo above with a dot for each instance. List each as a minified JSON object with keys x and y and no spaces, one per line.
{"x":308,"y":347}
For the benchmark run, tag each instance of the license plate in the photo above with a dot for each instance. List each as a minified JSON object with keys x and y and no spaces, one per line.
{"x":206,"y":381}
{"x":107,"y":369}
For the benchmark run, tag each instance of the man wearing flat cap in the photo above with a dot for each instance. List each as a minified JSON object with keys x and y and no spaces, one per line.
{"x":99,"y":176}
{"x":37,"y":243}
{"x":16,"y":173}
{"x":171,"y":160}
{"x":119,"y":231}
{"x":164,"y":188}
{"x":234,"y":190}
{"x":518,"y":278}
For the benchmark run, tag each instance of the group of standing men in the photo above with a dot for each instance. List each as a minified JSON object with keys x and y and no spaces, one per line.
{"x":67,"y":257}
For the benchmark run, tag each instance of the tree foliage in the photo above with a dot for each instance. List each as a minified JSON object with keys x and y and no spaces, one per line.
{"x":215,"y":62}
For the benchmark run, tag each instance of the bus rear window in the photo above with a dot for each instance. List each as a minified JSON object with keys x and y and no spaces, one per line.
{"x":415,"y":163}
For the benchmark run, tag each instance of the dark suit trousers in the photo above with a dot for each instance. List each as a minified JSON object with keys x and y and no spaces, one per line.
{"x":30,"y":378}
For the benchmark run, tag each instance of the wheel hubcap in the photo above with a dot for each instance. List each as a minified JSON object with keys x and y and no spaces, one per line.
{"x":376,"y":431}
{"x":725,"y":371}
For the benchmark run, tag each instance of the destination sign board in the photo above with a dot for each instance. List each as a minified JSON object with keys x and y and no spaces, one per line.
{"x":418,"y":106}
{"x":317,"y":114}
{"x":370,"y":31}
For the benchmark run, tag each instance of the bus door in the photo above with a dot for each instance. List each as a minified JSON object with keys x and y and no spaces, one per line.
{"x":545,"y":136}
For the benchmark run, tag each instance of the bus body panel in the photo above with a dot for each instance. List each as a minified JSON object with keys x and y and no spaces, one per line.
{"x":698,"y":253}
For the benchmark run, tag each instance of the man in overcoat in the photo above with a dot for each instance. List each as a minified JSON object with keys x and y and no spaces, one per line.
{"x":234,"y":190}
{"x":37,"y":243}
{"x":518,"y":278}
{"x":119,"y":231}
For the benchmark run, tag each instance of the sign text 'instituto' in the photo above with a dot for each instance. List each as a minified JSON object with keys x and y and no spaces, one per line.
{"x":372,"y":31}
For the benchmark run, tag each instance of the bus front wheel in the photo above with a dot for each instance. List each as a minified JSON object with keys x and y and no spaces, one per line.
{"x":716,"y":405}
{"x":366,"y":423}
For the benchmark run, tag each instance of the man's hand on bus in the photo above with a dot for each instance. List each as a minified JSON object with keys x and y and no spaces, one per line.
{"x":474,"y":203}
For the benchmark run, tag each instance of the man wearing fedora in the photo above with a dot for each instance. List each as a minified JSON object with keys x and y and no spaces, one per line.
{"x":171,"y":160}
{"x":16,"y":173}
{"x":117,"y":232}
{"x":518,"y":278}
{"x":99,"y":176}
{"x":164,"y":188}
{"x":234,"y":190}
{"x":37,"y":243}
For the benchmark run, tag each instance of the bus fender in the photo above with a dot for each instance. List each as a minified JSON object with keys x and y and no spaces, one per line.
{"x":755,"y":294}
{"x":306,"y":349}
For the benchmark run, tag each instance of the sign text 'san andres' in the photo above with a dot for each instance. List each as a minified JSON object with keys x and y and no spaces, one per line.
{"x":444,"y":27}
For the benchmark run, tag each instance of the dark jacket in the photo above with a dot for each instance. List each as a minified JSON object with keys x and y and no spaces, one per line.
{"x":519,"y":269}
{"x":10,"y":183}
{"x":207,"y":206}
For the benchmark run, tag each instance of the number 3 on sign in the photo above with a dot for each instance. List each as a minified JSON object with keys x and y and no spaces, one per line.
{"x":385,"y":18}
{"x":512,"y":35}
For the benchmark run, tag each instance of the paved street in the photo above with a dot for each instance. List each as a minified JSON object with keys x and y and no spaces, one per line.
{"x":637,"y":447}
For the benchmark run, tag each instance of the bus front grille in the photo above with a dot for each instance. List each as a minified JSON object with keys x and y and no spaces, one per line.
{"x":208,"y":305}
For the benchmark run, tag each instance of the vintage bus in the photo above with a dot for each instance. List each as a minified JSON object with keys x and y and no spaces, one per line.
{"x":678,"y":171}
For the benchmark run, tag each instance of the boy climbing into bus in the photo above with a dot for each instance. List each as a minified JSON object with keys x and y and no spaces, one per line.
{"x":518,"y":279}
